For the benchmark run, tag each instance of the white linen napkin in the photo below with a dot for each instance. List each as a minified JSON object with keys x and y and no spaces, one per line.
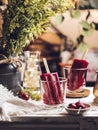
{"x":11,"y":105}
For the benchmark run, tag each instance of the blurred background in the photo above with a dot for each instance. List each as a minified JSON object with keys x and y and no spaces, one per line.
{"x":68,"y":36}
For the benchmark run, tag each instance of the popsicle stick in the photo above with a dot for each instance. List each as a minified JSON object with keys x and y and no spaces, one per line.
{"x":85,"y":53}
{"x":79,"y":110}
{"x":46,"y":65}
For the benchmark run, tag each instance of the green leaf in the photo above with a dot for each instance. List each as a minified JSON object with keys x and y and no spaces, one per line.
{"x":59,"y":19}
{"x":85,"y":24}
{"x":87,"y":32}
{"x":83,"y":46}
{"x":75,"y":14}
{"x":87,"y":28}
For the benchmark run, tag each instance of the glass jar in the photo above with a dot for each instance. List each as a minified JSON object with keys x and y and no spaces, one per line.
{"x":76,"y":79}
{"x":53,"y":92}
{"x":32,"y":70}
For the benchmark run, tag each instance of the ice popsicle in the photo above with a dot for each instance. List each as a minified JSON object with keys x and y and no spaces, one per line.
{"x":53,"y":94}
{"x":47,"y":96}
{"x":59,"y":88}
{"x":76,"y":76}
{"x":79,"y":63}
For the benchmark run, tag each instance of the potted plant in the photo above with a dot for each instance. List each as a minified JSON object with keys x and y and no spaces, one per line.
{"x":23,"y":20}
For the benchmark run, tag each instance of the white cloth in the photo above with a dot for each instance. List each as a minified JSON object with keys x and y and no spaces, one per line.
{"x":11,"y":105}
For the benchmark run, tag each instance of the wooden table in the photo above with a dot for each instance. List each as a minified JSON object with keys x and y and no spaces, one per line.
{"x":56,"y":119}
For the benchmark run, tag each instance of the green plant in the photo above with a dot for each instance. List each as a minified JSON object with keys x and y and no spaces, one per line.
{"x":87,"y":28}
{"x":24,"y":20}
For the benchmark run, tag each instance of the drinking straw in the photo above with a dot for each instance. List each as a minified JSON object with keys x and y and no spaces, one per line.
{"x":46,"y":65}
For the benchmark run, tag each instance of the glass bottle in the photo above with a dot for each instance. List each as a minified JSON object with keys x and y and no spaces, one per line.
{"x":95,"y":89}
{"x":33,"y":69}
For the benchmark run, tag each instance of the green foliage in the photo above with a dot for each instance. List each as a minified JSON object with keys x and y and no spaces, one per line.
{"x":83,"y":46}
{"x":88,"y":28}
{"x":75,"y":14}
{"x":59,"y":19}
{"x":25,"y":20}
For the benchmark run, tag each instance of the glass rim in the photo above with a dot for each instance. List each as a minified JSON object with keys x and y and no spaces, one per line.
{"x":69,"y":67}
{"x":61,"y":79}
